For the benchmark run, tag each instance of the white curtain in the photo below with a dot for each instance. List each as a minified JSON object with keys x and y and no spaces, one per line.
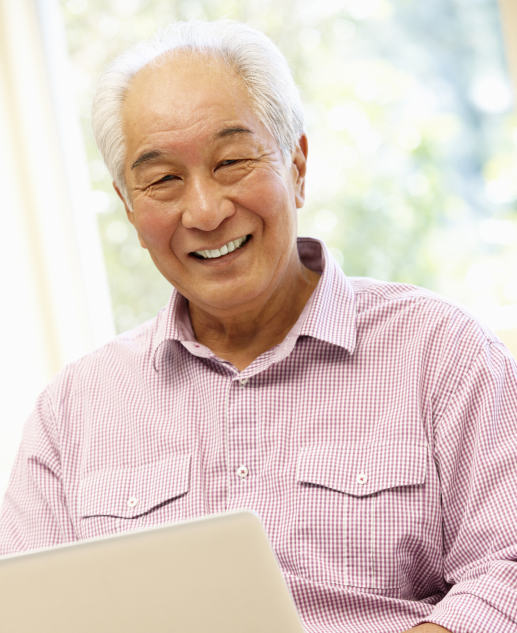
{"x":55,"y":303}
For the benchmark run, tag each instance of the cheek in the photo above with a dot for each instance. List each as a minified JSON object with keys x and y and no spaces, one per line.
{"x":268,"y":198}
{"x":155,"y":224}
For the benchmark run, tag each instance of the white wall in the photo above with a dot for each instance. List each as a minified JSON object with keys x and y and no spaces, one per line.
{"x":508,"y":10}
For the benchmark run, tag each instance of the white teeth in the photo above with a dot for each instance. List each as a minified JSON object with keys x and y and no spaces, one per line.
{"x":224,"y":250}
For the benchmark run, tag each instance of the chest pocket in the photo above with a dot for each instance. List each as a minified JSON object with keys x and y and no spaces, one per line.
{"x":361,"y":512}
{"x":128,"y":498}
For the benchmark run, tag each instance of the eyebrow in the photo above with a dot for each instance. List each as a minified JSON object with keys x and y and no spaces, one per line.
{"x":153,"y":154}
{"x":229,"y":131}
{"x":146,"y":157}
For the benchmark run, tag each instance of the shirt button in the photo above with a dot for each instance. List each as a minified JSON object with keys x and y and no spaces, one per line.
{"x":244,"y":382}
{"x":132,"y":502}
{"x":242,"y":471}
{"x":362,"y":479}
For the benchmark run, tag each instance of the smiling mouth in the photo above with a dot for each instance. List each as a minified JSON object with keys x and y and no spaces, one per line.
{"x":224,"y":250}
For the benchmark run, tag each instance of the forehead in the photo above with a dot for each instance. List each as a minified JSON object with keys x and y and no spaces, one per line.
{"x":184,"y":92}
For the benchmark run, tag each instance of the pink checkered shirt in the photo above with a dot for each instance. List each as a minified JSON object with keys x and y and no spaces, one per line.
{"x":378,"y":443}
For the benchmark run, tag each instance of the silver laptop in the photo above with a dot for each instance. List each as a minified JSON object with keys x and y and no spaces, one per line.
{"x":212,"y":575}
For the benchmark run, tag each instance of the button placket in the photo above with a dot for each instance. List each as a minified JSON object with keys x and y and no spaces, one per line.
{"x":242,"y":471}
{"x":242,"y":441}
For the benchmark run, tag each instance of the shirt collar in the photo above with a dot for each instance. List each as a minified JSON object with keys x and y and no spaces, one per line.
{"x":331,"y":316}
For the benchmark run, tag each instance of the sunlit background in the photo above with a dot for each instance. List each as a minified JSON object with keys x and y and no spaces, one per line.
{"x":412,"y":143}
{"x":412,"y":136}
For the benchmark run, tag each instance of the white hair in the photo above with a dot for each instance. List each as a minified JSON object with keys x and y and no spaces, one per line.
{"x":253,"y":56}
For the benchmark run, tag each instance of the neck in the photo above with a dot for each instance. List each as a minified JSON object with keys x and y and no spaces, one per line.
{"x":243,"y":337}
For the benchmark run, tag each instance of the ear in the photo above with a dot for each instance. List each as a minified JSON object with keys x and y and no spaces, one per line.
{"x":130,"y":214}
{"x":300,"y":169}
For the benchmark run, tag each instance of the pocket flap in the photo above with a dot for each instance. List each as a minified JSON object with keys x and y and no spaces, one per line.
{"x":130,"y":492}
{"x":360,"y":469}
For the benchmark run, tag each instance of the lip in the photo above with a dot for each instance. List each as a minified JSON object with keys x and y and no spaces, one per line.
{"x":226,"y":257}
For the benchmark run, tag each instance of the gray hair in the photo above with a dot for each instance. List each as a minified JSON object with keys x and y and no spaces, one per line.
{"x":256,"y":59}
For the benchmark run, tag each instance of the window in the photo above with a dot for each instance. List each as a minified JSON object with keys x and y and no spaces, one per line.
{"x":412,"y":164}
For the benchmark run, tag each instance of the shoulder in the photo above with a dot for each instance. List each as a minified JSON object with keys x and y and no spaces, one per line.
{"x":373,"y":292}
{"x":410,"y":311}
{"x":126,"y":358}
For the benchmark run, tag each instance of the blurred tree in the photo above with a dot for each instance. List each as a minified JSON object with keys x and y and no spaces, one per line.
{"x":412,"y":170}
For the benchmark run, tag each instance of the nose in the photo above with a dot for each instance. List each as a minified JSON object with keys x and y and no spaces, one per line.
{"x":204,"y":204}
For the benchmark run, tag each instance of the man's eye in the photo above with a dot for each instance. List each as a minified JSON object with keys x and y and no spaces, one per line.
{"x":166,"y":178}
{"x":229,"y":162}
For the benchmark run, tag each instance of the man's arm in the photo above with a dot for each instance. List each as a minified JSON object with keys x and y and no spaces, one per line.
{"x":475,"y":443}
{"x":34,"y":511}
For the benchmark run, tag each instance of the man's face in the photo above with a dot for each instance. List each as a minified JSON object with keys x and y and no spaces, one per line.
{"x":203,"y":174}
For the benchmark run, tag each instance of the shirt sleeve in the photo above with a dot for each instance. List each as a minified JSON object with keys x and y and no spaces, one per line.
{"x":34,"y":511}
{"x":476,"y":456}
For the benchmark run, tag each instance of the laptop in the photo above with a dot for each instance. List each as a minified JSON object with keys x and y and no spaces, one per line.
{"x":211,"y":575}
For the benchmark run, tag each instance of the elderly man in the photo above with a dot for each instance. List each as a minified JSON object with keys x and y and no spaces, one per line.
{"x":371,"y":425}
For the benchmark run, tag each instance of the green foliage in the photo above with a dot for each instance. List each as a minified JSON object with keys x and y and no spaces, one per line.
{"x":412,"y":170}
